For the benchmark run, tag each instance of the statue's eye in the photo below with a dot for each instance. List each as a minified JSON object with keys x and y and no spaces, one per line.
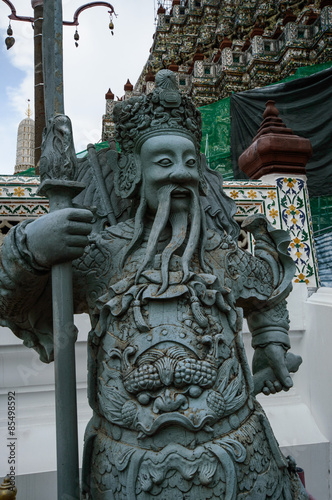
{"x":165,"y":162}
{"x":191,"y":162}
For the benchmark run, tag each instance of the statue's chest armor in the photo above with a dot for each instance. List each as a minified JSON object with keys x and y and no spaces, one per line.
{"x":198,"y":306}
{"x":169,"y":355}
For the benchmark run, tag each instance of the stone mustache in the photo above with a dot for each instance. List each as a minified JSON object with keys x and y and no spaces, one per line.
{"x":174,"y":410}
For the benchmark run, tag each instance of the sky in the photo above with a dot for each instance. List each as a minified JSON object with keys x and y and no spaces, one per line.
{"x":99,"y":62}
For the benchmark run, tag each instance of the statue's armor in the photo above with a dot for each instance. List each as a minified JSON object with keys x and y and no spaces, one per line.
{"x":174,"y":416}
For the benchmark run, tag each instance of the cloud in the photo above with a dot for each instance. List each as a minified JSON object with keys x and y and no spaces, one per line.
{"x":101,"y":61}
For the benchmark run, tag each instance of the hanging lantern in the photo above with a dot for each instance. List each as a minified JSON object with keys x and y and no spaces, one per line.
{"x":76,"y":38}
{"x":111,"y":25}
{"x":10,"y":40}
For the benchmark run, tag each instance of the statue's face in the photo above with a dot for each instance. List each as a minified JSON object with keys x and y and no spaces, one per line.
{"x":169,"y":159}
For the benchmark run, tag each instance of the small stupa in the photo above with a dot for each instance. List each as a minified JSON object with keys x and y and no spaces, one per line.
{"x":25,"y":150}
{"x":7,"y":490}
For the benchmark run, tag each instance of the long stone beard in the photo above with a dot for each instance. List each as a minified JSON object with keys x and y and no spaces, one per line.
{"x":181,"y":227}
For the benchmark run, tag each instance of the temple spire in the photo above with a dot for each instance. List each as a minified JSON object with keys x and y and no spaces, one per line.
{"x":28,"y":111}
{"x":25,"y":149}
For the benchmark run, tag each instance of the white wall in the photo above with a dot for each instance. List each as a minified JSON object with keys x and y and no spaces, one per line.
{"x":33,"y":382}
{"x":302,"y":418}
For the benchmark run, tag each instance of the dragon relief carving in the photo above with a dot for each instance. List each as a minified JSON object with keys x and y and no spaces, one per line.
{"x":166,"y":382}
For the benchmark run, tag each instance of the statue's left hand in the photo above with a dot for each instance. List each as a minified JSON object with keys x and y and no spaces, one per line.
{"x":271,"y":369}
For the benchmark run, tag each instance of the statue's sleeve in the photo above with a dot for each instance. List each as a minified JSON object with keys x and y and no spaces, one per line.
{"x":266,"y":282}
{"x":25,"y":294}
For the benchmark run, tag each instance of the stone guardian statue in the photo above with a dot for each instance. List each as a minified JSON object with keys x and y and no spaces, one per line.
{"x":174,"y":411}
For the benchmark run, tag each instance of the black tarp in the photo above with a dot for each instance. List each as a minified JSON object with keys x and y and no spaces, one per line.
{"x":305,"y":106}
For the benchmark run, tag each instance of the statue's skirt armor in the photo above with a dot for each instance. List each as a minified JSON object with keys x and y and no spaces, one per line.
{"x":243,"y":464}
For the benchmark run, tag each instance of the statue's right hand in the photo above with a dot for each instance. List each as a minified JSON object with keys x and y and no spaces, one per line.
{"x":60,"y":236}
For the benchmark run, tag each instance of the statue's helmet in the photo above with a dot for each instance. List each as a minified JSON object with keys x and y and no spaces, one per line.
{"x":165,"y":111}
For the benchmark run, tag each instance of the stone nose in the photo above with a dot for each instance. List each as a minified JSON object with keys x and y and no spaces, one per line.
{"x":180,"y":175}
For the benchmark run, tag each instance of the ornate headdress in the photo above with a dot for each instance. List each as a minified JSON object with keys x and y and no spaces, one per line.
{"x":163,"y":112}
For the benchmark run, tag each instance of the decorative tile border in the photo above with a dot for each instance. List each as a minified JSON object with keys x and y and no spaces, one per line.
{"x":285,"y":204}
{"x":19,"y":198}
{"x":19,"y":179}
{"x":23,"y":210}
{"x":20,"y":187}
{"x":296,"y":218}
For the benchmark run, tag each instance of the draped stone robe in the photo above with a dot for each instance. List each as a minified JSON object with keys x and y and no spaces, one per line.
{"x":174,"y":414}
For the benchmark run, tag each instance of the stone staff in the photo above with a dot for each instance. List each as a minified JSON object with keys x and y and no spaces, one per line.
{"x":57,"y":168}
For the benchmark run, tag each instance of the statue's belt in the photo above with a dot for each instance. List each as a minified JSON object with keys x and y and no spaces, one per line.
{"x":170,"y":333}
